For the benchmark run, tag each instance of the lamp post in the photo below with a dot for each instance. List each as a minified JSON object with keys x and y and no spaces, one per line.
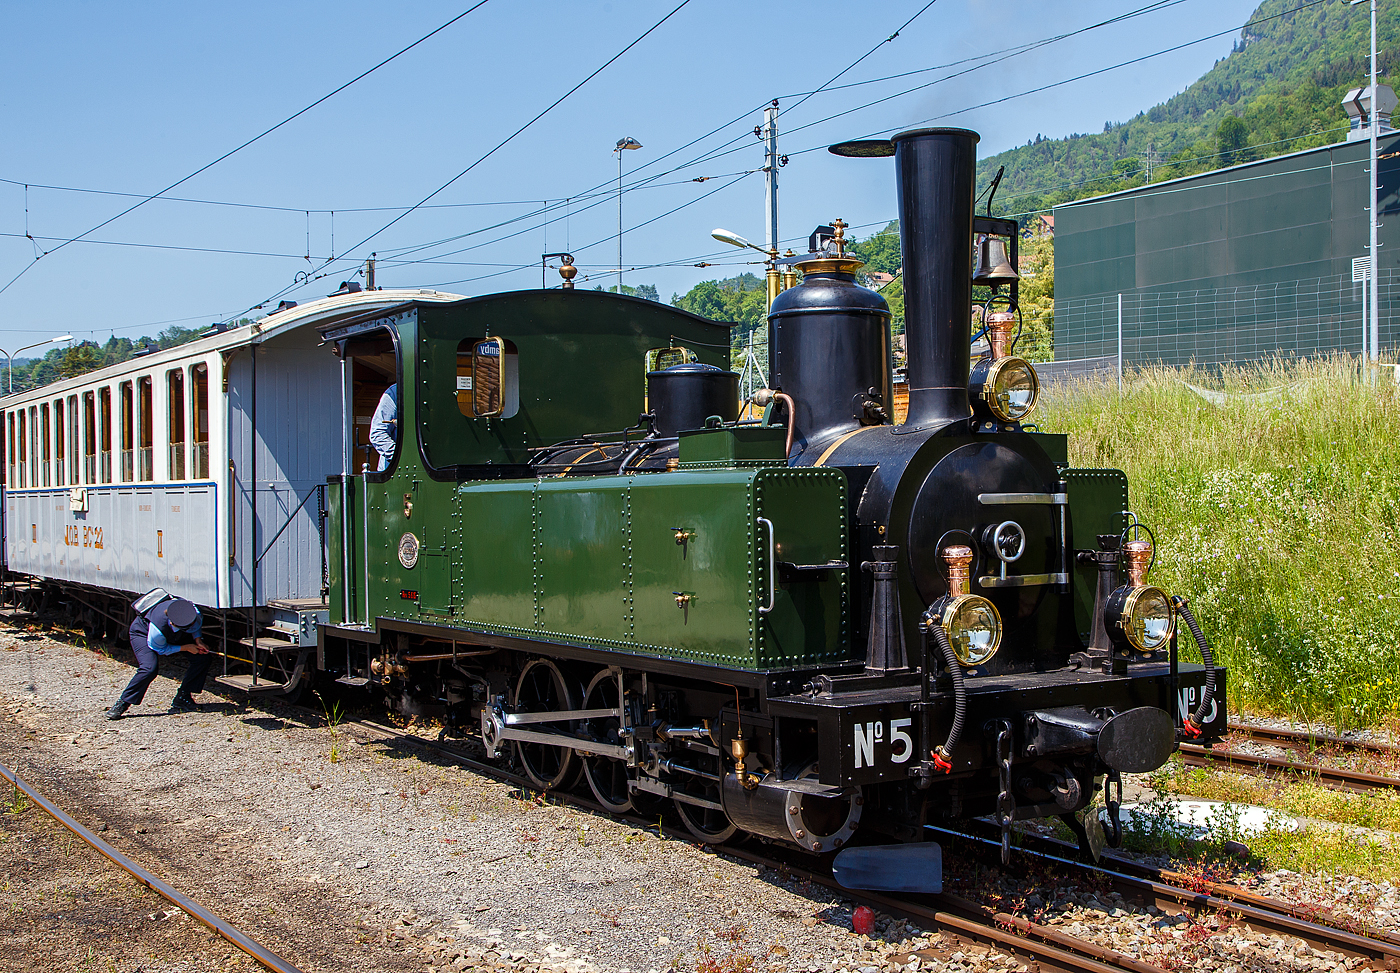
{"x":622,"y":145}
{"x":735,"y":240}
{"x":1370,"y":343}
{"x":9,"y":359}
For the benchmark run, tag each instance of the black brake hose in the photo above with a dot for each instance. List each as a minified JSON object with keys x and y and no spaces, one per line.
{"x":943,"y":756}
{"x":1195,"y":722}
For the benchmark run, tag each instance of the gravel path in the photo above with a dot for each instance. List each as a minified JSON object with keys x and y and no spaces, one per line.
{"x":342,"y":851}
{"x":333,"y":847}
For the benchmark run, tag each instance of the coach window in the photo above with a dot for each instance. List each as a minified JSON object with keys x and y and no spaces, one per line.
{"x":128,"y":424}
{"x":73,"y":443}
{"x":46,"y":444}
{"x":488,"y":378}
{"x":89,"y":438}
{"x":175,"y":389}
{"x":104,"y":434}
{"x":199,"y":422}
{"x":60,"y":444}
{"x":11,"y":451}
{"x":145,"y":446}
{"x":23,"y":451}
{"x":35,"y":466}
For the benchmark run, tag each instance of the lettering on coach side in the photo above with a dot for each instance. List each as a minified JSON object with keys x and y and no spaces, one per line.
{"x":867,"y":735}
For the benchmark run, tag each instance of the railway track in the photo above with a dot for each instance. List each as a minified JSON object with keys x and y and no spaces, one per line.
{"x":1051,"y":949}
{"x":1172,"y":891}
{"x":1340,"y":778}
{"x":957,"y":917}
{"x":258,"y":952}
{"x":1310,"y":742}
{"x":964,"y":919}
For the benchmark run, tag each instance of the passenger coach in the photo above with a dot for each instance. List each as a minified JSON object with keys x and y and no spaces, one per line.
{"x":200,"y":468}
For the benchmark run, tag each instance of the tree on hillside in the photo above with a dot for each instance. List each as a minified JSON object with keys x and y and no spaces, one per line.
{"x":1232,"y":141}
{"x":1284,"y":81}
{"x":80,"y":359}
{"x":880,"y":251}
{"x":1037,"y":294}
{"x":742,"y":301}
{"x":644,"y":291}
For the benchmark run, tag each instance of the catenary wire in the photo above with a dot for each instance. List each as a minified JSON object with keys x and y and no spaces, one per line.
{"x":639,"y":184}
{"x":1030,"y":91}
{"x":837,"y":76}
{"x":1017,"y":49}
{"x":505,"y":141}
{"x":255,"y":138}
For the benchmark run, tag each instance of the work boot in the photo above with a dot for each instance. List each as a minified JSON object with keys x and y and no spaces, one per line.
{"x":183,"y":703}
{"x":118,"y":710}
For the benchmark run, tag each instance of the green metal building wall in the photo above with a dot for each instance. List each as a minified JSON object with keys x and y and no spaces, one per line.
{"x":1235,"y":264}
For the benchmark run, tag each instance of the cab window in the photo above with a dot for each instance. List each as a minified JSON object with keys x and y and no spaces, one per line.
{"x":488,"y":378}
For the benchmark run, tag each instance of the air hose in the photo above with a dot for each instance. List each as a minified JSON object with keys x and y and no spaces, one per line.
{"x":1194,"y":724}
{"x":943,"y":756}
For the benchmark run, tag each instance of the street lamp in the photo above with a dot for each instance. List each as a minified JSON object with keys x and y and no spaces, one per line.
{"x":735,"y":240}
{"x":9,"y":359}
{"x":622,"y":144}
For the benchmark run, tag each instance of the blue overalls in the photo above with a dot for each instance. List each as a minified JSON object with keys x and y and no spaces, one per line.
{"x":148,"y":659}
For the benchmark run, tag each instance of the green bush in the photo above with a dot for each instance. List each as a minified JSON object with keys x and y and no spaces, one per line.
{"x":1276,"y":513}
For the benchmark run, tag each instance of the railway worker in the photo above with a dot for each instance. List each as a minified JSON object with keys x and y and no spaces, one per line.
{"x":170,"y":627}
{"x":384,"y":427}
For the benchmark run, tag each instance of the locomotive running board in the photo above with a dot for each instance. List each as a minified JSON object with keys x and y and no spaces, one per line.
{"x":914,"y":867}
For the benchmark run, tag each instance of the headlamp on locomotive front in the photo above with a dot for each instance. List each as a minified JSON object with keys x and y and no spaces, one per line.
{"x":972,"y":622}
{"x":1002,"y":387}
{"x":1136,"y":614}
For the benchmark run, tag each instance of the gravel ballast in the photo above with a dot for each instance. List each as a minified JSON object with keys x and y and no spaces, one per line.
{"x":342,"y":849}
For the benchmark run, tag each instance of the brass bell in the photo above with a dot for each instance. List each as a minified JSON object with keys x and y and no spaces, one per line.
{"x":992,"y":265}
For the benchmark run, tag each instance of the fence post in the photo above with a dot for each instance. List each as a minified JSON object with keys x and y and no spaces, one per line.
{"x":1120,"y":342}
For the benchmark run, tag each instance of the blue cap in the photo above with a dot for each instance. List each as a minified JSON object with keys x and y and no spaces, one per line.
{"x":182,"y":613}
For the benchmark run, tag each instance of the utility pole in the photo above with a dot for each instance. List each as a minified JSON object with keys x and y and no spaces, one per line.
{"x":769,"y":134}
{"x":1374,"y":249}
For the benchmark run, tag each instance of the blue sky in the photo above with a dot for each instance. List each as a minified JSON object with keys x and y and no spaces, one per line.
{"x":128,"y":98}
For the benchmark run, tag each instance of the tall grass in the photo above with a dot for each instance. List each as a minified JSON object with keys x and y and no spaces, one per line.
{"x":1278,"y":515}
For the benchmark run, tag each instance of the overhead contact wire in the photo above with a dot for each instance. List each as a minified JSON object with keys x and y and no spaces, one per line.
{"x":255,"y":138}
{"x":509,"y":138}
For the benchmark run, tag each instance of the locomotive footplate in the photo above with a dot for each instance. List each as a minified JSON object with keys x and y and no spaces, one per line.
{"x":871,"y":734}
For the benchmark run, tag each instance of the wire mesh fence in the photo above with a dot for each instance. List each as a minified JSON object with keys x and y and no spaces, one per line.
{"x":1224,"y":325}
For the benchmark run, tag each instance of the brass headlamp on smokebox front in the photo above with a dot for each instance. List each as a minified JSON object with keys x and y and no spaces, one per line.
{"x":1139,"y":616}
{"x":1002,"y":387}
{"x":972,"y":623}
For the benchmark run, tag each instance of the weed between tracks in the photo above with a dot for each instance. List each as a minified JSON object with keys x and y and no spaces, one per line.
{"x":1329,"y":843}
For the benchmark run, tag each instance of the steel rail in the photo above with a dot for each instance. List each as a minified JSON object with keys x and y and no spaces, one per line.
{"x":258,"y":952}
{"x":1194,"y":755}
{"x":1155,"y":886}
{"x":1052,"y":949}
{"x":1306,"y":738}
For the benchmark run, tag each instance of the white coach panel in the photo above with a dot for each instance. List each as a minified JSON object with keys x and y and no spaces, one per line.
{"x":130,"y":538}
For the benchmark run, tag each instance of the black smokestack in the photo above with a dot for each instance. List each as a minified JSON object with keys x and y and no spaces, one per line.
{"x":935,"y":169}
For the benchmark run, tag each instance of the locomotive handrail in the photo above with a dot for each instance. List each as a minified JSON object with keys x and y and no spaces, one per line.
{"x":772,"y":568}
{"x":1054,"y":499}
